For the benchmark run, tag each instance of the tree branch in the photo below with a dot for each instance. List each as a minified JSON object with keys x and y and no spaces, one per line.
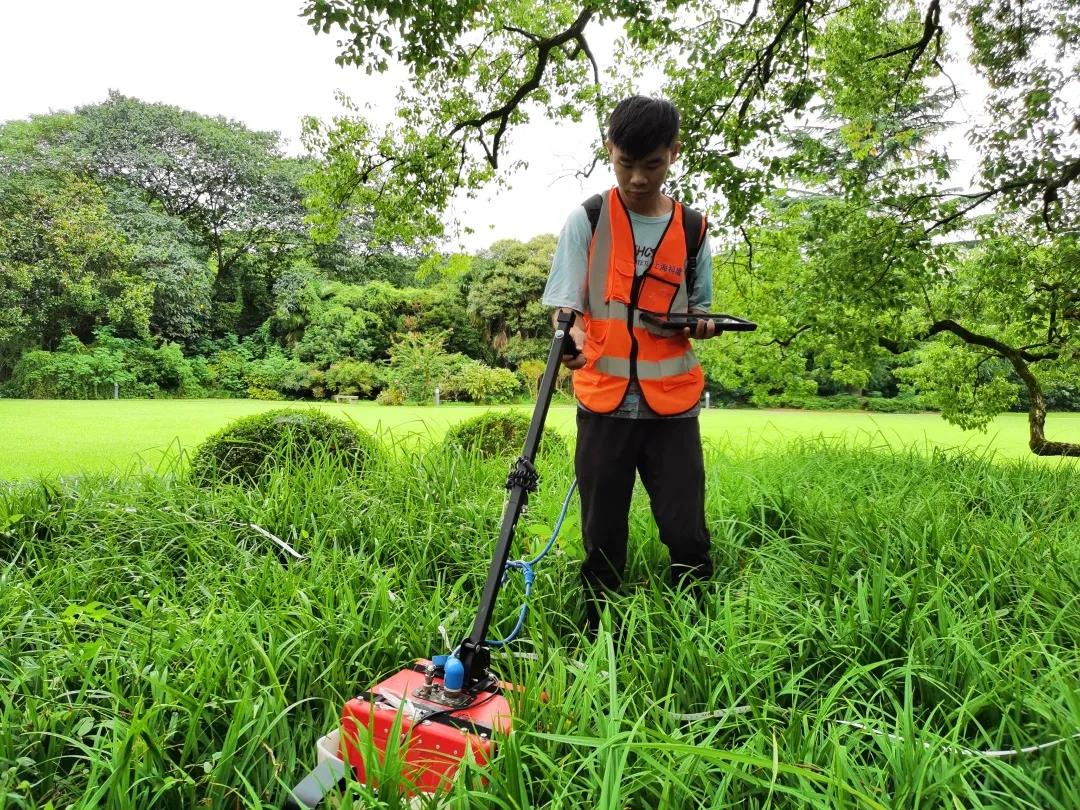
{"x":1050,"y":192}
{"x":1003,"y":349}
{"x":762,"y":68}
{"x":535,"y":38}
{"x":1051,"y":186}
{"x":503,"y":113}
{"x":784,"y":343}
{"x":931,"y":29}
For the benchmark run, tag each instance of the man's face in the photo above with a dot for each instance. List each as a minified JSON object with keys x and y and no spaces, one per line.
{"x":640,"y":179}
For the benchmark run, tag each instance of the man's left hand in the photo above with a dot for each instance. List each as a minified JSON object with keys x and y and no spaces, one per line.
{"x":705,"y":328}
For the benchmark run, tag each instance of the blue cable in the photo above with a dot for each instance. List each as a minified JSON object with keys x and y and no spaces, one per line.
{"x":527,"y":571}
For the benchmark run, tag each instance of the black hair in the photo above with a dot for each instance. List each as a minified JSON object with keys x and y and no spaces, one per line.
{"x":640,"y":124}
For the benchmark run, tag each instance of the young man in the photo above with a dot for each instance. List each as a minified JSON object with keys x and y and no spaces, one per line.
{"x":637,"y":385}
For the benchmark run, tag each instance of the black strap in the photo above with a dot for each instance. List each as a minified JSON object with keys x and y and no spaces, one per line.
{"x":592,"y":208}
{"x":693,"y":233}
{"x":523,"y":474}
{"x":443,"y":716}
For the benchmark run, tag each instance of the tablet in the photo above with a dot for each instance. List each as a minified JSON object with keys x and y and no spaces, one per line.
{"x":724,"y":322}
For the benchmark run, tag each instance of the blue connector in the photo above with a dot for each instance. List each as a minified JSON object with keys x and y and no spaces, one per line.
{"x":453,"y":674}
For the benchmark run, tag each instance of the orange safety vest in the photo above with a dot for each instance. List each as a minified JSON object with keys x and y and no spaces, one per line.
{"x":619,"y":346}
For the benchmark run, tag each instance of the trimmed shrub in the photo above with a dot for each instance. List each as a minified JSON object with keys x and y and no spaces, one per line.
{"x":390,"y":396}
{"x":479,"y":383}
{"x":501,"y":434}
{"x":905,"y":403}
{"x":354,"y":378}
{"x":270,"y":394}
{"x":849,"y":402}
{"x":248,"y":448}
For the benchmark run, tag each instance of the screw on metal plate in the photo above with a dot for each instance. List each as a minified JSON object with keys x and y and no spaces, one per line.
{"x":436,"y":694}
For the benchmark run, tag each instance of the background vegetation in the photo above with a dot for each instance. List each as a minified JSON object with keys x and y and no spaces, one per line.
{"x":149,"y":251}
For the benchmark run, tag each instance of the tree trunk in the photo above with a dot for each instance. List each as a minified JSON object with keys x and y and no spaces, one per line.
{"x":1037,"y":417}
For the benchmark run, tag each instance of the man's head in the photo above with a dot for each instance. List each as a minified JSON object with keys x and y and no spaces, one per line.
{"x":643,"y":142}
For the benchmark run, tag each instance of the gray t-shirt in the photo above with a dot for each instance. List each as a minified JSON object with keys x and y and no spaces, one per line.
{"x":566,"y":284}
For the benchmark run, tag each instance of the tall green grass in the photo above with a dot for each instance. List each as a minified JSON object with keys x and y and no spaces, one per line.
{"x":872,"y":614}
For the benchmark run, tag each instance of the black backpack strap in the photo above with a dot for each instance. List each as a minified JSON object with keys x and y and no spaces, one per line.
{"x":694,"y":231}
{"x":592,"y":208}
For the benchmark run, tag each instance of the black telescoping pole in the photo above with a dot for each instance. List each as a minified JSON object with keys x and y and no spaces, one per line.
{"x":474,"y":653}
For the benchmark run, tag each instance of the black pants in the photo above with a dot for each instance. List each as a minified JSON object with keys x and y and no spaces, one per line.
{"x":667,"y":454}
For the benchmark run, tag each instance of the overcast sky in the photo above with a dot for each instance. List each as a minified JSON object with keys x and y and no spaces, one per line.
{"x":256,"y":61}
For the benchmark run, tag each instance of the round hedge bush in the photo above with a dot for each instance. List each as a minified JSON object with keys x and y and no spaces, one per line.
{"x":246,"y":449}
{"x":501,"y":434}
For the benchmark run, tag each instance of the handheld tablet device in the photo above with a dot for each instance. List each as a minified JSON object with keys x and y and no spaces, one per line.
{"x":724,"y":322}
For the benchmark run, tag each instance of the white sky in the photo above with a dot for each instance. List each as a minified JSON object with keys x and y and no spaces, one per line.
{"x":259,"y":62}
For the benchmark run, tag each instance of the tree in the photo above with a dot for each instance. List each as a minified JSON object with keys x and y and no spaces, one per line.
{"x":165,"y":253}
{"x":211,"y":211}
{"x":64,"y":268}
{"x":816,"y":99}
{"x":230,"y":185}
{"x":508,"y":280}
{"x":1006,"y":316}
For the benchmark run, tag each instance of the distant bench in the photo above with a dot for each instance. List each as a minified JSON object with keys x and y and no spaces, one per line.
{"x":345,"y":398}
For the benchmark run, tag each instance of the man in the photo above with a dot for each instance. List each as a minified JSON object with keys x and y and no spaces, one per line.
{"x":637,"y":385}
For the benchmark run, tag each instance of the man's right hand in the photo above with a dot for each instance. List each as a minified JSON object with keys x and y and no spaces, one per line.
{"x":576,"y":361}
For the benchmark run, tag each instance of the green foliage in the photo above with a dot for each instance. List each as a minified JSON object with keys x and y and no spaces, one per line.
{"x":839,"y":103}
{"x":500,"y":434}
{"x":237,"y":367}
{"x":1027,"y":140}
{"x":226,"y":371}
{"x":418,"y":365}
{"x":64,"y":268}
{"x":403,"y":197}
{"x":180,"y":222}
{"x":166,"y":254}
{"x":257,"y":392}
{"x":967,"y":389}
{"x":475,"y":382}
{"x":276,"y":371}
{"x":76,"y":371}
{"x":339,"y":332}
{"x":391,"y":396}
{"x":531,"y":373}
{"x":507,"y":282}
{"x":331,"y":322}
{"x":519,"y":351}
{"x":247,"y":450}
{"x":354,"y":378}
{"x":230,"y":184}
{"x":904,"y":403}
{"x":847,"y":402}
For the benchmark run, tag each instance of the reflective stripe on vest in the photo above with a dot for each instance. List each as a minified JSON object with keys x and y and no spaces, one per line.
{"x":618,"y":344}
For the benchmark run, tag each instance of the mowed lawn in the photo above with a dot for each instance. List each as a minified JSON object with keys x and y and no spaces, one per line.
{"x":67,"y":437}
